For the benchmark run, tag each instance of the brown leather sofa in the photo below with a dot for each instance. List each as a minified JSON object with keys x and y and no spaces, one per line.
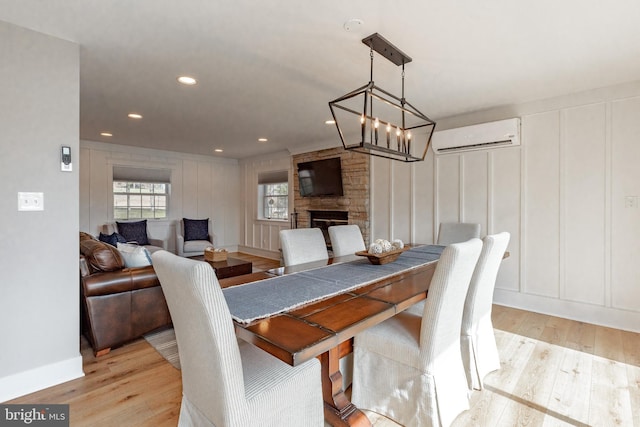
{"x":118,"y":304}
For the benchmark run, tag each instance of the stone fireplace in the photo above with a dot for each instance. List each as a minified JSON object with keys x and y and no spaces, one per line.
{"x":351,"y":208}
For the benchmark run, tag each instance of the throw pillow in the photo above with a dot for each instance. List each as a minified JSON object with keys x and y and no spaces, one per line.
{"x":196,"y":229}
{"x":86,"y":236}
{"x":101,"y":256}
{"x":134,"y":231}
{"x":113,"y":239}
{"x":134,"y":255}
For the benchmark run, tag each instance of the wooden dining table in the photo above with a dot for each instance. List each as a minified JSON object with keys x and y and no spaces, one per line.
{"x":325,"y":329}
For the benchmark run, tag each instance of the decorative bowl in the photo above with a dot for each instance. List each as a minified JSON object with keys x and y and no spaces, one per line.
{"x":383,"y":258}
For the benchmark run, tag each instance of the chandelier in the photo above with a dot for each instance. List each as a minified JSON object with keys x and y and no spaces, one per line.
{"x":384,"y":125}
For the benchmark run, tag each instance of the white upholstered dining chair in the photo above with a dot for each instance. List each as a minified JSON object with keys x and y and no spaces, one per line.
{"x":409,"y":367}
{"x":226,"y":381}
{"x":346,"y":239}
{"x":456,"y":232}
{"x":479,"y":351}
{"x":301,"y":245}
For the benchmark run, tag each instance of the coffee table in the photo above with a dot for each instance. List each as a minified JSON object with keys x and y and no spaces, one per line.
{"x":229,"y":268}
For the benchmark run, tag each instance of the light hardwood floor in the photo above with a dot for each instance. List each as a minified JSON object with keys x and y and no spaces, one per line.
{"x":555,"y":372}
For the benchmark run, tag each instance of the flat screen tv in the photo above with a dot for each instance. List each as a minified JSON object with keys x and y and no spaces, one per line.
{"x":320,"y":178}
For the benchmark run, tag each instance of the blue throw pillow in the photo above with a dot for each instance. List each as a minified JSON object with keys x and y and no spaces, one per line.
{"x":134,"y":231}
{"x":113,"y":239}
{"x":196,"y":229}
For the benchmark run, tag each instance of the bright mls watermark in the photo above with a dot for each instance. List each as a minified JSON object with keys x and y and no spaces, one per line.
{"x":34,"y":415}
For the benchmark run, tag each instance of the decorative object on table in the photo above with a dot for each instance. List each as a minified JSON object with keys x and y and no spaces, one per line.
{"x":385,"y":125}
{"x":213,"y":254}
{"x":382,"y":258}
{"x":383,"y":251}
{"x":397,"y":244}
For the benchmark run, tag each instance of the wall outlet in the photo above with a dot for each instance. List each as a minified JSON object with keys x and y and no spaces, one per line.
{"x":30,"y":201}
{"x":631,"y":202}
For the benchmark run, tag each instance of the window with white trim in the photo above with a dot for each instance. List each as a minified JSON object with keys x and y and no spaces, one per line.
{"x":140,"y":200}
{"x":140,"y":193}
{"x":273,"y":195}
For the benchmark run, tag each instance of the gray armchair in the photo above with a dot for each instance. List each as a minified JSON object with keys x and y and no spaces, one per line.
{"x":188,"y":246}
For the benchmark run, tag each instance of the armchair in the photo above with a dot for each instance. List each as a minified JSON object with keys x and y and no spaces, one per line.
{"x":193,"y":237}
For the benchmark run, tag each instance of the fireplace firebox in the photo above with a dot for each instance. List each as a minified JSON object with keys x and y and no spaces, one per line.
{"x":323,"y":219}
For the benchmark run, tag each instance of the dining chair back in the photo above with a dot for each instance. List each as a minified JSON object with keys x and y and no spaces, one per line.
{"x":301,"y":245}
{"x":409,"y":367}
{"x":346,"y":239}
{"x":479,"y":351}
{"x":225,"y":381}
{"x":456,"y":232}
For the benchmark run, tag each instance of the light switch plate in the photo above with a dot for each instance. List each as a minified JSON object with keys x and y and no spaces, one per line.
{"x":30,"y":201}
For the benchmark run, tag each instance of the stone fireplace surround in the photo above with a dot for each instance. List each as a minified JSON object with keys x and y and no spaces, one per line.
{"x":354,"y":204}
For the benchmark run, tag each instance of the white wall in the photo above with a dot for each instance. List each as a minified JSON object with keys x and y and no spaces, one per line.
{"x":39,"y":292}
{"x":262,"y":237}
{"x":201,"y":187}
{"x":574,"y":245}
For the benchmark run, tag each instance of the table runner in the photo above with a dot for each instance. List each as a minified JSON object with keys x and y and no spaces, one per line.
{"x":265,"y":298}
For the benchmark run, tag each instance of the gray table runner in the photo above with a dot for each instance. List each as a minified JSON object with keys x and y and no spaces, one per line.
{"x":265,"y":298}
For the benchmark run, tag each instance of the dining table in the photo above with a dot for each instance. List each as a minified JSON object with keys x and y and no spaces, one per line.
{"x":324,"y":326}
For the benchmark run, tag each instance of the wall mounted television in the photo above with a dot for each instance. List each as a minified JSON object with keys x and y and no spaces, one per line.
{"x":320,"y":178}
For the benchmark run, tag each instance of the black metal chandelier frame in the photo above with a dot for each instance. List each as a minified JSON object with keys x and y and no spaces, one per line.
{"x":398,"y":148}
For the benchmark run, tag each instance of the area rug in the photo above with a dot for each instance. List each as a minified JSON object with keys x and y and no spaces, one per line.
{"x":165,"y":343}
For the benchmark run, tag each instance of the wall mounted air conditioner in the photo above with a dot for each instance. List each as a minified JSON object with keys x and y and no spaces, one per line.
{"x":503,"y":133}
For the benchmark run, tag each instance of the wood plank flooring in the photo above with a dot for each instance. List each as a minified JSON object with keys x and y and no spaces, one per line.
{"x":555,"y":372}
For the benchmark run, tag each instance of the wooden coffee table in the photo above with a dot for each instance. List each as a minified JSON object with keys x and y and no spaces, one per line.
{"x":229,"y":268}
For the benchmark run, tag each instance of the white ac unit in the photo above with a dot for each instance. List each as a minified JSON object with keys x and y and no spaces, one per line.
{"x":503,"y":133}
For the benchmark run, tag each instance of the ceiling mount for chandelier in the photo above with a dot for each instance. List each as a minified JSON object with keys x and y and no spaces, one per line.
{"x":385,"y":125}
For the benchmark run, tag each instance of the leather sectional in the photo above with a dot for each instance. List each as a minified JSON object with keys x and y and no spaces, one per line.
{"x":118,"y":304}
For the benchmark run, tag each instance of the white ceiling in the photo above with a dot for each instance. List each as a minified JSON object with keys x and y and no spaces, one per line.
{"x":268,"y":68}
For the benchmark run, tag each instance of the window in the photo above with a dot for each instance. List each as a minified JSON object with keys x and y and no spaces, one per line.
{"x":273,"y":195}
{"x":140,"y":200}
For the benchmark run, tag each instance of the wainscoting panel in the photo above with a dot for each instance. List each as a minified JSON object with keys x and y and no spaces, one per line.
{"x":447,"y":186}
{"x":423,"y":200}
{"x":504,"y":203}
{"x":584,"y":204}
{"x":381,"y":199}
{"x":401,"y":201}
{"x":625,"y":212}
{"x":474,"y":190}
{"x":541,"y":256}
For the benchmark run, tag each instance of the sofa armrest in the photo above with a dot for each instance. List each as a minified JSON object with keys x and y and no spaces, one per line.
{"x":158,"y":242}
{"x":180,"y":244}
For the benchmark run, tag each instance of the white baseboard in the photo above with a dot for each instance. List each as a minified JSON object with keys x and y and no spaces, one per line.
{"x":33,"y":380}
{"x":588,"y":313}
{"x":259,"y":252}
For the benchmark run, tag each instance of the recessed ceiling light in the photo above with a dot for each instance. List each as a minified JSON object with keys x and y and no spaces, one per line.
{"x":330,"y":122}
{"x":106,"y":134}
{"x":134,"y":116}
{"x":186,"y":80}
{"x":262,"y":139}
{"x":218,"y":150}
